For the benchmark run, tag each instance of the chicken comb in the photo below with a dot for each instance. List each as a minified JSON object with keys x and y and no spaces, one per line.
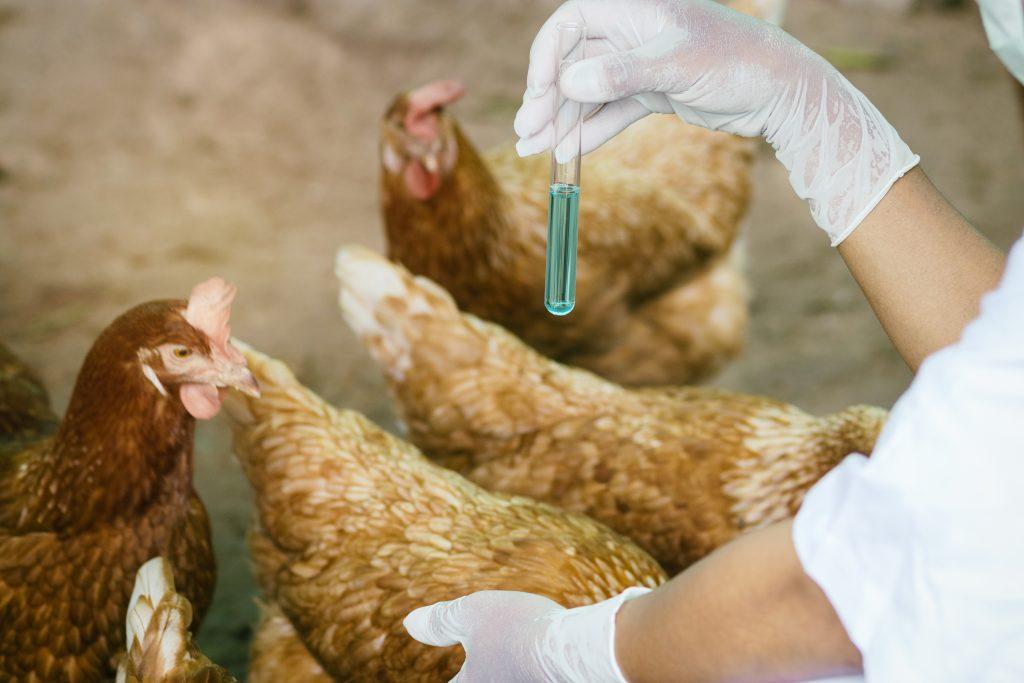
{"x":427,"y":99}
{"x":209,"y":308}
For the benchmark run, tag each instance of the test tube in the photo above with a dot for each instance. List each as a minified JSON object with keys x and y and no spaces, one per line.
{"x":564,"y":200}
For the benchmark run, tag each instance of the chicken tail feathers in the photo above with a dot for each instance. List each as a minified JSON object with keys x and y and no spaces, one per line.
{"x":857,"y":427}
{"x":391,"y":310}
{"x":450,"y":368}
{"x":159,"y":645}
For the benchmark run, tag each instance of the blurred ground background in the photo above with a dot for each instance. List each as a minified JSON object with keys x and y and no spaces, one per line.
{"x":146,"y":145}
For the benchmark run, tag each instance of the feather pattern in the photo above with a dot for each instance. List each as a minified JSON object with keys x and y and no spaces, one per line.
{"x":678,"y":470}
{"x":84,"y":504}
{"x":355,"y":528}
{"x":160,"y":648}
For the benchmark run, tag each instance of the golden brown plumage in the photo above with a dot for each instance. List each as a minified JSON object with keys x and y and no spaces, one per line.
{"x":355,"y":529}
{"x":278,"y":655}
{"x":83,"y":508}
{"x":25,"y":411}
{"x":659,"y":212}
{"x":679,"y":470}
{"x":160,"y":648}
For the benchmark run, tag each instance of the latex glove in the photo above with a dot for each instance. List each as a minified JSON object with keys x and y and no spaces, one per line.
{"x":717,"y":68}
{"x":513,"y":636}
{"x":1004,"y":25}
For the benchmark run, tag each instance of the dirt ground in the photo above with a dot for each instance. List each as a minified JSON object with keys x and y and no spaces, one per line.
{"x":145,"y":145}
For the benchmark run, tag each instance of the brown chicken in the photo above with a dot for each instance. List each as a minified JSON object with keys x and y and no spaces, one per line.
{"x":679,"y":470}
{"x":83,"y":504}
{"x":660,"y":297}
{"x":355,"y":529}
{"x":160,"y":648}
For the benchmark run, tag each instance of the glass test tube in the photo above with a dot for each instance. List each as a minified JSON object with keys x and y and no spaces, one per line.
{"x":564,"y":201}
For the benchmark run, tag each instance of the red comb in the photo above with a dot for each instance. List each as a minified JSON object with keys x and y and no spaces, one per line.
{"x":209,"y":308}
{"x":427,"y":99}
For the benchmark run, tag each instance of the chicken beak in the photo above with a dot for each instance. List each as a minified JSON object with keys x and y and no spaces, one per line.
{"x":430,"y":162}
{"x":237,"y":376}
{"x":248,"y":385}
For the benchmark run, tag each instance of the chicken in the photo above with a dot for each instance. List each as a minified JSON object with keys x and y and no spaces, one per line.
{"x":355,"y":529}
{"x":660,"y":295}
{"x":661,"y":298}
{"x":83,"y":504}
{"x":678,"y":470}
{"x":659,"y":211}
{"x":160,"y":647}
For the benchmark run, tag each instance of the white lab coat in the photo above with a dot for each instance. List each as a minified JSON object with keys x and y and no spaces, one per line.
{"x":921,"y":548}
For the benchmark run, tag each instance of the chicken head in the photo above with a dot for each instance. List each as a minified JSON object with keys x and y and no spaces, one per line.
{"x":418,"y":141}
{"x":192,"y":354}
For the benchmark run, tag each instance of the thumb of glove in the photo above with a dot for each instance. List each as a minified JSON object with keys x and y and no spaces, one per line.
{"x":438,"y":624}
{"x":617,"y":75}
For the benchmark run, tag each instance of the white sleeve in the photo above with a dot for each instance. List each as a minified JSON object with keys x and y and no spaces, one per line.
{"x":921,"y":548}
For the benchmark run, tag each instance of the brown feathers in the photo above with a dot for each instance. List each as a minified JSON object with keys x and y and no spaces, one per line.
{"x":81,"y":510}
{"x":278,"y":655}
{"x":679,"y":471}
{"x":355,"y":529}
{"x":25,"y":411}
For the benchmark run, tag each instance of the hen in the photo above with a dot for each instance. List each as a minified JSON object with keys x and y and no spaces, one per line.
{"x":355,"y":529}
{"x":160,"y":647}
{"x":678,"y":470}
{"x":83,"y":504}
{"x":660,"y":296}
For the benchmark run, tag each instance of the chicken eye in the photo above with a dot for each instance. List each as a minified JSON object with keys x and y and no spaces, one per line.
{"x":182,"y":352}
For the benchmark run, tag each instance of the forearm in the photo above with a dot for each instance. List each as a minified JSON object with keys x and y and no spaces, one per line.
{"x":747,"y":612}
{"x":922,"y":267}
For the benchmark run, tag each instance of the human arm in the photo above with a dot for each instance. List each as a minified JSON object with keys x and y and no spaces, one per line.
{"x":922,"y":267}
{"x":746,"y":612}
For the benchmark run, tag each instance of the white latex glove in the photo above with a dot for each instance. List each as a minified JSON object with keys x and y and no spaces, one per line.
{"x":717,"y":68}
{"x":516,"y":637}
{"x":1004,"y":25}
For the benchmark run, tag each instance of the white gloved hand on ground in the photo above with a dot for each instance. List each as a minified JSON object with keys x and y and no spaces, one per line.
{"x":513,"y":636}
{"x":717,"y":68}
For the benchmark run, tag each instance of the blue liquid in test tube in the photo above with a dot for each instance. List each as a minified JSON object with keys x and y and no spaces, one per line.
{"x":563,"y":233}
{"x":564,"y":201}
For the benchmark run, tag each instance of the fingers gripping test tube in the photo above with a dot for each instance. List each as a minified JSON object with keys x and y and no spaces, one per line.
{"x":564,"y":201}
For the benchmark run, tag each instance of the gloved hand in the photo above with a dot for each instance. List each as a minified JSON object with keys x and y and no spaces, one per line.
{"x":719,"y":69}
{"x":515,"y":637}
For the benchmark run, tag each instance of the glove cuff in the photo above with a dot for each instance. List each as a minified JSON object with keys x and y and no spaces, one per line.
{"x":582,"y":642}
{"x":841,"y":153}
